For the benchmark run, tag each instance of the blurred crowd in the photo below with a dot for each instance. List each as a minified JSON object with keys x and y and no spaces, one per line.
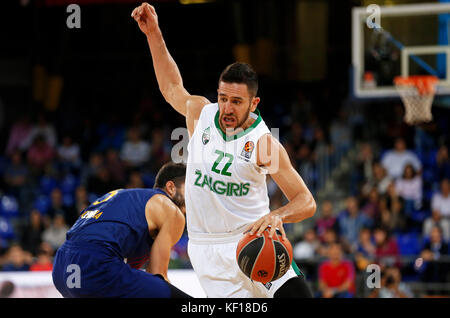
{"x":49,"y":174}
{"x":397,"y":217}
{"x":396,"y":213}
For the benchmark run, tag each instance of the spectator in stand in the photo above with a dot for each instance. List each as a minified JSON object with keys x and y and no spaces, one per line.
{"x":111,"y":134}
{"x":57,"y":206}
{"x":55,"y":234}
{"x":17,"y":260}
{"x":303,"y":158}
{"x":436,"y":220}
{"x":392,"y":285}
{"x":305,"y":252}
{"x":81,"y":199}
{"x":409,"y":187}
{"x":336,"y":275}
{"x":160,"y":150}
{"x":135,"y":152}
{"x":395,"y":160}
{"x":379,"y":180}
{"x":365,"y":249}
{"x":135,"y":180}
{"x":44,"y":129}
{"x":43,"y":261}
{"x":319,"y":144}
{"x":386,"y":248}
{"x":329,"y":238}
{"x":115,"y":166}
{"x":96,"y":162}
{"x":432,"y":269}
{"x":295,"y":135}
{"x":40,"y":154}
{"x":100,"y":180}
{"x":363,"y":169}
{"x":305,"y":164}
{"x":47,"y":248}
{"x":365,"y":160}
{"x":140,"y":121}
{"x":350,"y":222}
{"x":32,"y":232}
{"x":18,"y":134}
{"x":440,"y":201}
{"x":391,"y":216}
{"x":69,"y":154}
{"x":326,"y":220}
{"x":16,"y":174}
{"x":442,"y":167}
{"x":307,"y":247}
{"x":390,"y":219}
{"x":371,"y":207}
{"x":341,"y":133}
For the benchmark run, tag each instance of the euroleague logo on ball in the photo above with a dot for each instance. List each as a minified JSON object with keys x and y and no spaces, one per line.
{"x":262,"y":273}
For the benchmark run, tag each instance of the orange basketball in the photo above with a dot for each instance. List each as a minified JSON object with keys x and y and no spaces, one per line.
{"x":264,"y":259}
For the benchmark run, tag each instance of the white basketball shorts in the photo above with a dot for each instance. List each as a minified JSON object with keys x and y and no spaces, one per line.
{"x":213,"y":257}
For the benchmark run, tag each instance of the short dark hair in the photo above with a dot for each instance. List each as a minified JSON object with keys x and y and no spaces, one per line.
{"x":170,"y":171}
{"x":241,"y":73}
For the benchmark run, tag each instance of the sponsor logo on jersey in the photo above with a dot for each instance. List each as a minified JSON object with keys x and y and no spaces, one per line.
{"x":206,"y":135}
{"x":220,"y":187}
{"x":91,"y":214}
{"x":248,"y":149}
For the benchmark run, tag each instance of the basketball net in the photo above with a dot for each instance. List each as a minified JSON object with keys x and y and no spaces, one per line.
{"x":417,"y":93}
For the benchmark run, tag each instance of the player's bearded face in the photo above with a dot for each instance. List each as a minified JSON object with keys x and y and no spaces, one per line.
{"x":232,"y":121}
{"x":235,"y":105}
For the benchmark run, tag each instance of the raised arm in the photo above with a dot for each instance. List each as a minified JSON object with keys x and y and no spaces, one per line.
{"x":167,"y":73}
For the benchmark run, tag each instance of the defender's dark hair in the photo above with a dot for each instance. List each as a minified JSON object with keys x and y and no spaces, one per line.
{"x":170,"y":171}
{"x":241,"y":73}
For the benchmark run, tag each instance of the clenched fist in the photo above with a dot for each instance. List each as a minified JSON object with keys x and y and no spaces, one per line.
{"x":145,"y":16}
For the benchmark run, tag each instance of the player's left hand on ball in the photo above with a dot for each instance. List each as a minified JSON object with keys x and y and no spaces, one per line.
{"x":273,"y":221}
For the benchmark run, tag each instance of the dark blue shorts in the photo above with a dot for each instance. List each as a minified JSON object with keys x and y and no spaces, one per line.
{"x":86,"y":269}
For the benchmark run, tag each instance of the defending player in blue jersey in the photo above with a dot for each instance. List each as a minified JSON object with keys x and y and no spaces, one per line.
{"x":119,"y":233}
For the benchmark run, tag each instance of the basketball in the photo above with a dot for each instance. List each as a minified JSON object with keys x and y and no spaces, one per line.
{"x":264,"y":259}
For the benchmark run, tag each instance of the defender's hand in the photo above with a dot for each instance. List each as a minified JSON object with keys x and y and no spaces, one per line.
{"x":274,"y":221}
{"x":145,"y":16}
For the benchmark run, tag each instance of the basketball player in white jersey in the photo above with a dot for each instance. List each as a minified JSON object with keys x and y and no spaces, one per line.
{"x":230,"y":152}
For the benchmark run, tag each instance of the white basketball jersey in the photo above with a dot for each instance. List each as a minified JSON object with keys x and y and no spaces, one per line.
{"x":224,"y":188}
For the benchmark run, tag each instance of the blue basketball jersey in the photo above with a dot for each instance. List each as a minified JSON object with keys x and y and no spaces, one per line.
{"x":118,"y":221}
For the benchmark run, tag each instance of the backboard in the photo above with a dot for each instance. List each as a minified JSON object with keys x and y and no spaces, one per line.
{"x":403,"y":39}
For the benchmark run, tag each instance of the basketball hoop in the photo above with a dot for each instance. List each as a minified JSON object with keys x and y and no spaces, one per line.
{"x":417,"y":93}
